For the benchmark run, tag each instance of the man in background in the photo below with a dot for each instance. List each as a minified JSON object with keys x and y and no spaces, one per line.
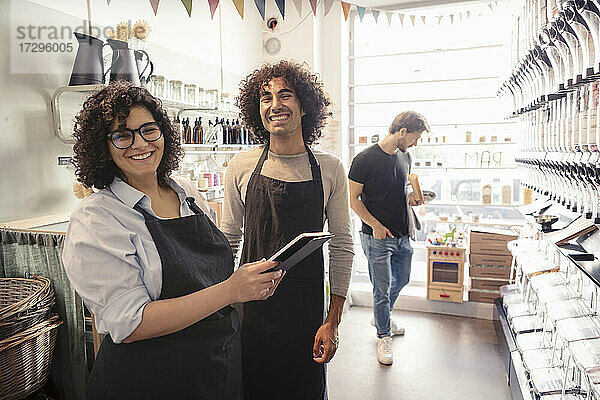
{"x":377,"y":182}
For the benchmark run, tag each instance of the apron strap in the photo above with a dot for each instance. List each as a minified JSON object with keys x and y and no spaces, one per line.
{"x":261,"y":160}
{"x":314,"y":164}
{"x":193,"y":206}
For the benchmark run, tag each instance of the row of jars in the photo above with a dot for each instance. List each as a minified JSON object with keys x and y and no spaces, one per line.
{"x":573,"y":182}
{"x":565,"y":124}
{"x":556,"y":56}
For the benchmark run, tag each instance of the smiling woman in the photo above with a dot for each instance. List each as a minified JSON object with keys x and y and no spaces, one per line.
{"x":106,"y":111}
{"x":149,"y":263}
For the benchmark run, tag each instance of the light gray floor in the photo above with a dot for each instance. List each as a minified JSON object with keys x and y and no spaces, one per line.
{"x":439,"y":357}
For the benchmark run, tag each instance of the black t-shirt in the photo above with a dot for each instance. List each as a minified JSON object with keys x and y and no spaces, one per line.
{"x":384,"y":192}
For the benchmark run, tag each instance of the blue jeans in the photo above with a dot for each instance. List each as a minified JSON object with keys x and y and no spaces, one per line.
{"x":389,"y":269}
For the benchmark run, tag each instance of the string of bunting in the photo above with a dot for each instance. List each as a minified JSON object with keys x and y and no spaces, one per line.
{"x":327,"y":5}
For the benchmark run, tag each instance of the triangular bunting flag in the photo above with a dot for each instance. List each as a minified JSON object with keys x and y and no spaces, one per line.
{"x":281,"y":6}
{"x":375,"y":14}
{"x":423,"y":19}
{"x":313,"y":4}
{"x":327,"y":5}
{"x":346,"y":9}
{"x":389,"y":17}
{"x":490,"y":6}
{"x":412,"y":19}
{"x":361,"y":12}
{"x":188,"y":6}
{"x":108,"y":2}
{"x":213,"y":4}
{"x":260,"y":5}
{"x":401,"y":19}
{"x":451,"y":19}
{"x":298,"y":4}
{"x":239,"y":5}
{"x":154,"y":4}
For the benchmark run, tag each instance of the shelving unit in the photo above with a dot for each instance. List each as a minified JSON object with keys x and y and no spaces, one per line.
{"x":181,"y":108}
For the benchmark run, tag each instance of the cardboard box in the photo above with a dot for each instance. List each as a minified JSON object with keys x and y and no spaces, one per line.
{"x":489,"y":248}
{"x":217,"y":207}
{"x":490,"y":241}
{"x":490,"y":272}
{"x":487,"y":284}
{"x":481,"y":296}
{"x":492,"y":234}
{"x":495,"y":260}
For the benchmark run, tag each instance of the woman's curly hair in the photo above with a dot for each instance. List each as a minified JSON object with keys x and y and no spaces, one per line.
{"x":94,"y":166}
{"x":308,"y":88}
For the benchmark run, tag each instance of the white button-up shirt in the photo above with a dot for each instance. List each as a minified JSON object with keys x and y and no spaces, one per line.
{"x":110,"y":257}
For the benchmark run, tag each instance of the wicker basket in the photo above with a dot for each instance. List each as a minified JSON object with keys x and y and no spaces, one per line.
{"x":25,"y":359}
{"x":23,"y":303}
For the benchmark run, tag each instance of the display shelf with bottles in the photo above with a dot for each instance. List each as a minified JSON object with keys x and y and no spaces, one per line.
{"x":66,"y":102}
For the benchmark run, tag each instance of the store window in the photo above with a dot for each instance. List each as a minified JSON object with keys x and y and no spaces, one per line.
{"x":449,"y":70}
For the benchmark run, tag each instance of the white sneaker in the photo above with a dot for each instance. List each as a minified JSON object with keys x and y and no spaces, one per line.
{"x":384,"y":350}
{"x":395,"y":329}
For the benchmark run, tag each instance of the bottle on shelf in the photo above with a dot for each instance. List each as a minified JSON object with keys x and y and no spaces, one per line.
{"x":200,"y":131}
{"x":188,"y":131}
{"x":195,"y":134}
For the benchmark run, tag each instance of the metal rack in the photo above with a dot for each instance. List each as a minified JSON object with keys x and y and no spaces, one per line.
{"x":181,"y":108}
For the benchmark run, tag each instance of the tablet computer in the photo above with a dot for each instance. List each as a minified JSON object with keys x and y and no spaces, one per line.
{"x":300,"y":248}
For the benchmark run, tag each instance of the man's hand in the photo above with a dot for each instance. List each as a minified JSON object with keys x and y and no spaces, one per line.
{"x":381,"y":232}
{"x":412,"y":200}
{"x":326,"y":343}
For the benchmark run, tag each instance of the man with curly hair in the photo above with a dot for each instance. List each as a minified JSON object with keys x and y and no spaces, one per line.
{"x":273,"y":193}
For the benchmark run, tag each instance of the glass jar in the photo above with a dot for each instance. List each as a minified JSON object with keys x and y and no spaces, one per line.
{"x":190,"y":93}
{"x":157,"y":85}
{"x":175,"y":87}
{"x":593,"y":116}
{"x":583,"y":116}
{"x":201,"y":96}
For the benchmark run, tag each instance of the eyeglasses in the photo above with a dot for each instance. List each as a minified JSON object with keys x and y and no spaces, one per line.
{"x":123,"y":138}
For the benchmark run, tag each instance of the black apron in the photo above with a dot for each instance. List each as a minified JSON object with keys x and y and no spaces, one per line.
{"x":202,"y":361}
{"x":278,"y":333}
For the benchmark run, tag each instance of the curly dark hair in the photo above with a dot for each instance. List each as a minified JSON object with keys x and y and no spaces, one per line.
{"x":307,"y":86}
{"x":94,"y":166}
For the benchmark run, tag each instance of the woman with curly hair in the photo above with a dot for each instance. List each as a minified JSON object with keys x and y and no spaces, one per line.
{"x":149,"y":263}
{"x":273,"y":193}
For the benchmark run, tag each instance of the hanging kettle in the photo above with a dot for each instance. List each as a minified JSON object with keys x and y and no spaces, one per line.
{"x":142,"y":66}
{"x":126,"y":67}
{"x":88,"y":68}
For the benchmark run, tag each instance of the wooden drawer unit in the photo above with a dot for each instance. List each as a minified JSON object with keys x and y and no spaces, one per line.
{"x":495,"y":260}
{"x":488,"y":284}
{"x":455,"y":296}
{"x":481,"y":296}
{"x":490,"y":272}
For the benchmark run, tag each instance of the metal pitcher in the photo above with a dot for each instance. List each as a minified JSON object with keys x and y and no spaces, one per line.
{"x":88,"y":68}
{"x":142,"y":66}
{"x":126,"y":67}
